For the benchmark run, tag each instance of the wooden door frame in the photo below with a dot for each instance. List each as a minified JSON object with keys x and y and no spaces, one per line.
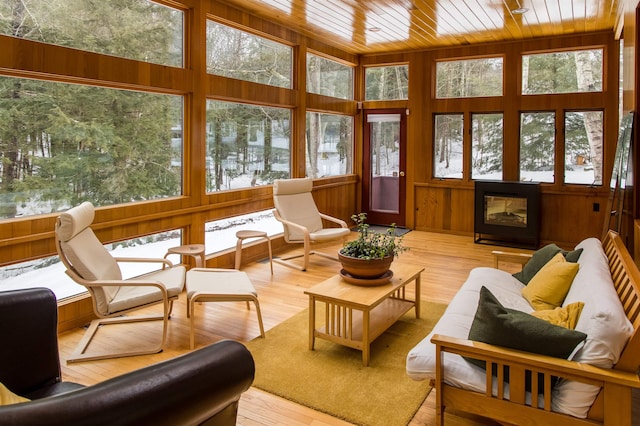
{"x":382,"y":218}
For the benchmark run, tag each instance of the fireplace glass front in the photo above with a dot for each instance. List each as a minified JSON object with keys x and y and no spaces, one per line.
{"x":505,"y":211}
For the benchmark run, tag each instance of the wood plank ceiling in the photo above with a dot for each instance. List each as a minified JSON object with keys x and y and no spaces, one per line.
{"x":372,"y":26}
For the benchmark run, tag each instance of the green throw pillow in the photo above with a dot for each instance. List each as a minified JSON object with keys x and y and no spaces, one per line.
{"x":540,"y":258}
{"x":509,"y":328}
{"x":572,"y":256}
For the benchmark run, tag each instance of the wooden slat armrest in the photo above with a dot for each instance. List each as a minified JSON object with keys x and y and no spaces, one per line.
{"x":510,"y":257}
{"x":554,"y":366}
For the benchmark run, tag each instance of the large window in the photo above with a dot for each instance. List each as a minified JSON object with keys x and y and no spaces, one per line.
{"x":583,"y":147}
{"x":62,"y":144}
{"x":447,"y":146}
{"x":562,"y":72}
{"x":220,"y":234}
{"x":133,"y":29}
{"x":329,"y":144}
{"x":486,"y":146}
{"x":386,"y":83}
{"x":245,"y":56}
{"x":247,"y":145}
{"x":469,"y":78}
{"x":537,"y":144}
{"x":329,"y":78}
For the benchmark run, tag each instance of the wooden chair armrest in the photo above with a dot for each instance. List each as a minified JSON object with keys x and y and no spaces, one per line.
{"x":340,"y":222}
{"x":289,"y":223}
{"x":541,"y":363}
{"x":510,"y":257}
{"x":124,"y":283}
{"x":165,"y":262}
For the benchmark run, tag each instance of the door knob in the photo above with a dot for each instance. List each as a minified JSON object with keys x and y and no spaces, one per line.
{"x":401,"y":173}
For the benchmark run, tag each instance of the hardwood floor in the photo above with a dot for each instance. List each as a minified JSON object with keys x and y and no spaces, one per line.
{"x":447,"y":260}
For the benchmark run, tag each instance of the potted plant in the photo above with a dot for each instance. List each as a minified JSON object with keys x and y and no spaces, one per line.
{"x":370,"y":255}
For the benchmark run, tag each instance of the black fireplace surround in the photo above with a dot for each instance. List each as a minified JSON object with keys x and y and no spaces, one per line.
{"x":507,"y":213}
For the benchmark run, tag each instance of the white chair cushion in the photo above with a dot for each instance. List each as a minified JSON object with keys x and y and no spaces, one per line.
{"x":292,"y":186}
{"x":93,"y":262}
{"x":218,"y":282}
{"x":329,"y":234}
{"x":293,"y":200}
{"x":131,"y":297}
{"x":75,"y":220}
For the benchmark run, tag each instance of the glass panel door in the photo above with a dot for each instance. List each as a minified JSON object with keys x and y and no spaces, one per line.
{"x":383,"y":170}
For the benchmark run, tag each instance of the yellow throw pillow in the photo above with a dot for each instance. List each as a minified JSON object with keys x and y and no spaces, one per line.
{"x":548,"y":288}
{"x":566,"y":316}
{"x":7,"y":397}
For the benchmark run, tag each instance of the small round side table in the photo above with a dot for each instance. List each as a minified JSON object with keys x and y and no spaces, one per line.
{"x":247,"y":234}
{"x":194,"y":250}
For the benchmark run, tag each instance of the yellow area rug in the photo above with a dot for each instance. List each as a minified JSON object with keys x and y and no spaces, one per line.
{"x":333,"y":380}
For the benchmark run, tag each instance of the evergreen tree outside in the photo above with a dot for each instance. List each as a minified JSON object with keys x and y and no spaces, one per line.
{"x":545,"y":73}
{"x":564,"y":72}
{"x":60,"y":143}
{"x":133,"y":29}
{"x":487,"y":144}
{"x":537,"y":142}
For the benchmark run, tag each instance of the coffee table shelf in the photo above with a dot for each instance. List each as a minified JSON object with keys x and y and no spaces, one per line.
{"x":346,"y":328}
{"x":354,"y":316}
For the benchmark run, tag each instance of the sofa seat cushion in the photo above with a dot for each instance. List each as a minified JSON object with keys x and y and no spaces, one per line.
{"x":459,"y":316}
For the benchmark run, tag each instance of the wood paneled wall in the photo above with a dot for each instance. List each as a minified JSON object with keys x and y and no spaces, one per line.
{"x":447,"y":205}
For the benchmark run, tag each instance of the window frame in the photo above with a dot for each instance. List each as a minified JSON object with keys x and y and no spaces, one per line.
{"x":351,"y":67}
{"x":250,"y":31}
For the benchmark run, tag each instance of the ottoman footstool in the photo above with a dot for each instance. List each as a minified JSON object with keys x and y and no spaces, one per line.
{"x":219,"y":285}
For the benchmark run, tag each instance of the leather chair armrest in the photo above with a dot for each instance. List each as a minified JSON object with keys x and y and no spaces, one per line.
{"x":188,"y":390}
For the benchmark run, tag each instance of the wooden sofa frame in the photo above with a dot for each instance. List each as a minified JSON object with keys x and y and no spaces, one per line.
{"x":611,"y":407}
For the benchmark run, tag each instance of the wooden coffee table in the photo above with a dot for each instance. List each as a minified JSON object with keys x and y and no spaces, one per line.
{"x":355,"y":315}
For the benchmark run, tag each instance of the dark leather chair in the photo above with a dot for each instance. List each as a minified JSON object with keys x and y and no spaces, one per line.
{"x":200,"y":387}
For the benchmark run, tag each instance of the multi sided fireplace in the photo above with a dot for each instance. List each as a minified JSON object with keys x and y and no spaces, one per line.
{"x":507,"y":213}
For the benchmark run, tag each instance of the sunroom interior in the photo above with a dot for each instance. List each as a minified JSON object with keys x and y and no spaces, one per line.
{"x":246,"y":91}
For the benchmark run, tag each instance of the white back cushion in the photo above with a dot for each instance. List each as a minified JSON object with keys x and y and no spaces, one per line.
{"x":86,"y":253}
{"x":293,"y":200}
